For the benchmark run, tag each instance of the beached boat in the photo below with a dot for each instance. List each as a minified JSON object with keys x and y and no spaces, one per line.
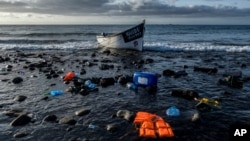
{"x":131,"y":38}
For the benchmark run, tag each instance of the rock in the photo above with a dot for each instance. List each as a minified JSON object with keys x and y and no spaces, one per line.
{"x":14,"y":112}
{"x":83,"y":92}
{"x":126,"y":114}
{"x":231,"y":81}
{"x":67,"y":120}
{"x":124,"y":79}
{"x":20,"y":134}
{"x":104,"y":82}
{"x":17,"y":80}
{"x":4,"y":80}
{"x":83,"y":71}
{"x":113,"y":127}
{"x":53,"y":84}
{"x":82,"y":112}
{"x":45,"y":98}
{"x":172,"y":73}
{"x":185,"y":93}
{"x":55,"y":75}
{"x":21,"y":120}
{"x":149,"y":61}
{"x":9,"y":67}
{"x":180,"y":73}
{"x":185,"y":66}
{"x":20,"y":98}
{"x":105,"y":67}
{"x":243,"y":66}
{"x":151,"y":89}
{"x":206,"y":70}
{"x":195,"y":117}
{"x":168,"y":72}
{"x":50,"y":118}
{"x":106,"y":52}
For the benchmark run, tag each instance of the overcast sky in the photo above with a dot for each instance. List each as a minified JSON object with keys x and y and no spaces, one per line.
{"x":124,"y":11}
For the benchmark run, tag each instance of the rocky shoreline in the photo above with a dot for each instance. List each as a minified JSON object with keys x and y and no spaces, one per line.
{"x":106,"y":112}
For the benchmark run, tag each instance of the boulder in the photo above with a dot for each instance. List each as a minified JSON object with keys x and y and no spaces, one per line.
{"x":21,"y":120}
{"x":17,"y":80}
{"x":82,"y":112}
{"x":104,"y":82}
{"x":185,"y":93}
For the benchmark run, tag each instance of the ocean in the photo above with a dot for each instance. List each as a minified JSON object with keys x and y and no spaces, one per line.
{"x":229,"y":38}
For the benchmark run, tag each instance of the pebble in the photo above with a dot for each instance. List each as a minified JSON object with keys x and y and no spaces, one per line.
{"x":82,"y":112}
{"x":195,"y":117}
{"x":20,"y":98}
{"x":113,"y":127}
{"x":67,"y":120}
{"x":126,"y":114}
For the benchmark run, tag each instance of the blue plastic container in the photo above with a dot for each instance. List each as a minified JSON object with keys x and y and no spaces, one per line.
{"x":56,"y":92}
{"x":89,"y":84}
{"x":145,"y":79}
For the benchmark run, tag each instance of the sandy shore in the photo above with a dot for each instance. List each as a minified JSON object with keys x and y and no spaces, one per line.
{"x":27,"y":77}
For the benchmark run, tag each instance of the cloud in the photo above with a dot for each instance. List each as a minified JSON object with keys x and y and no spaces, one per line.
{"x":119,"y":8}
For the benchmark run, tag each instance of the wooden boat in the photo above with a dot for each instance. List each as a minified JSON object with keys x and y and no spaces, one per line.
{"x":129,"y":39}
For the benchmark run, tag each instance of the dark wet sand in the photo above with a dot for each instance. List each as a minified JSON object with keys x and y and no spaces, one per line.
{"x":104,"y":103}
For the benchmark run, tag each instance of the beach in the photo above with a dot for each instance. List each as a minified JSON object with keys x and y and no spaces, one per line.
{"x":41,"y":71}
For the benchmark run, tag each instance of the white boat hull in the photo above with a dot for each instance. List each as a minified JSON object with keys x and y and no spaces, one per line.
{"x":129,"y":39}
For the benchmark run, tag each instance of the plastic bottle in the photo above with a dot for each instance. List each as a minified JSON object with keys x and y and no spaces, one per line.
{"x":173,"y":111}
{"x":132,"y":86}
{"x":56,"y":92}
{"x":89,"y":84}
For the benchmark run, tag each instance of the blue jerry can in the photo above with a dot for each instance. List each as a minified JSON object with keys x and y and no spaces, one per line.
{"x":145,"y":79}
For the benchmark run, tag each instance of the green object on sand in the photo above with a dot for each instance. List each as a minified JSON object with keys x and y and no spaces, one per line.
{"x":46,"y":94}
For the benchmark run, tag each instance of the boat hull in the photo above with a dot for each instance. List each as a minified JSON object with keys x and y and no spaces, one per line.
{"x":129,"y":39}
{"x":117,"y":42}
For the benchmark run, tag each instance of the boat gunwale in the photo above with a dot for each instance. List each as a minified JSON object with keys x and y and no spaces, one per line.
{"x":117,"y":34}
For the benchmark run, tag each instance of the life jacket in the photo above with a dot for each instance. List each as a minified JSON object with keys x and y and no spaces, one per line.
{"x":69,"y":76}
{"x":152,"y":126}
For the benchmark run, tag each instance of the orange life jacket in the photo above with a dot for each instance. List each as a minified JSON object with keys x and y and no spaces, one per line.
{"x":152,"y":126}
